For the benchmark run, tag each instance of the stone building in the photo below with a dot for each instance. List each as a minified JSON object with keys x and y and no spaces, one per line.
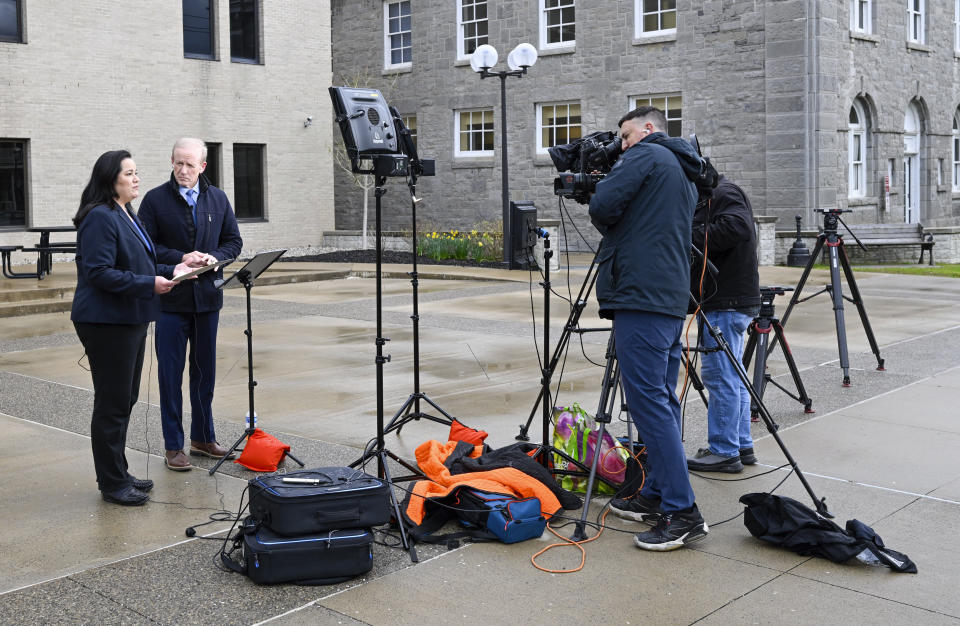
{"x":250,"y":77}
{"x":807,"y":104}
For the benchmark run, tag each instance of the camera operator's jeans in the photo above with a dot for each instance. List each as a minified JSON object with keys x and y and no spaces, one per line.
{"x":648,"y":349}
{"x":728,"y":408}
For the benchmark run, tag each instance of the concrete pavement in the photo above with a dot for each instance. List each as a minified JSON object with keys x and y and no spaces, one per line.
{"x":882,"y":451}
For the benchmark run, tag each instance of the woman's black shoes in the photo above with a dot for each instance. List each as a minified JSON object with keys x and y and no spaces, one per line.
{"x":128,"y":496}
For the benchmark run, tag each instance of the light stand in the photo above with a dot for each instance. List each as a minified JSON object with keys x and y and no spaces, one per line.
{"x":246,"y":276}
{"x":838,"y":258}
{"x":520,"y":58}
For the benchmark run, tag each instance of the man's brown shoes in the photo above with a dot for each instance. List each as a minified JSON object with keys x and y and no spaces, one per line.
{"x":177,"y":460}
{"x":211,"y":449}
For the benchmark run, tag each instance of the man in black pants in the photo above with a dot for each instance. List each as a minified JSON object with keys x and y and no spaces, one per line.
{"x":723,"y":228}
{"x":191,"y":221}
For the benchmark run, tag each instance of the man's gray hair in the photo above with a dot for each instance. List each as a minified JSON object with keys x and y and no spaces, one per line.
{"x":191,"y":142}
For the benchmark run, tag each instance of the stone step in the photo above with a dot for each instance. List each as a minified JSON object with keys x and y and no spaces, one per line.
{"x":37,"y":293}
{"x":31,"y":307}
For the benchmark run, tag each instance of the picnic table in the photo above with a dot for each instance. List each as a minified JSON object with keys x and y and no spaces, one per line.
{"x":45,"y":250}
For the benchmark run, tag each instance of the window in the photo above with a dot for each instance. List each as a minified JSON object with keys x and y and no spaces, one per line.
{"x":857,"y":151}
{"x":861,"y":16}
{"x":410,"y":121}
{"x":655,"y":17}
{"x":248,"y":184}
{"x":915,"y":21}
{"x":557,"y":23}
{"x":11,"y":21}
{"x":471,"y":26}
{"x":557,"y":123}
{"x":939,"y":172}
{"x":244,"y":31}
{"x":13,"y":182}
{"x":198,"y":29}
{"x":672,"y":106}
{"x":397,"y":44}
{"x":474,"y":136}
{"x":956,"y":26}
{"x":956,"y":152}
{"x":214,"y":150}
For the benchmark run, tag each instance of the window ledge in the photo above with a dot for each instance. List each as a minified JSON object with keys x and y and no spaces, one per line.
{"x":854,"y":34}
{"x":465,"y":162}
{"x":955,"y":195}
{"x":462,"y":62}
{"x":943,"y":188}
{"x":200,"y":57}
{"x":861,"y":201}
{"x":569,"y":48}
{"x":242,"y":61}
{"x":542,"y":159}
{"x":643,"y":41}
{"x":919,"y":47}
{"x":390,"y":71}
{"x":251,"y":220}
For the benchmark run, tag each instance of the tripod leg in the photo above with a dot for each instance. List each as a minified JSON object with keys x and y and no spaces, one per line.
{"x":858,"y":301}
{"x":382,"y":455}
{"x":760,"y":367}
{"x":803,"y":279}
{"x":792,"y":365}
{"x":233,"y":449}
{"x":836,"y":293}
{"x":608,"y":392}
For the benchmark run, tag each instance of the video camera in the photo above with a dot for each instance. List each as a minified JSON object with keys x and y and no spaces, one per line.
{"x":584,"y":163}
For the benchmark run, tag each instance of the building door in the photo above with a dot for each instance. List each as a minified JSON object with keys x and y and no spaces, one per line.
{"x":911,"y":165}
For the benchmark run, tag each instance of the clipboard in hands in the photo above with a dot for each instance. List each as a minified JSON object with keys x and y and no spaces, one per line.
{"x":201,"y":270}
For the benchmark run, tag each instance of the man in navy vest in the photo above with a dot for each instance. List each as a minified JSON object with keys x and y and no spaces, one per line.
{"x":190,"y":221}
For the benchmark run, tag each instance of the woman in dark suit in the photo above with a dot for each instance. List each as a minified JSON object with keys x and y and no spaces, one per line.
{"x":117,"y":281}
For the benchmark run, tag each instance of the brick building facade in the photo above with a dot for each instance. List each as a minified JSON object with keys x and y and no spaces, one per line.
{"x":770,"y":88}
{"x":83,"y":77}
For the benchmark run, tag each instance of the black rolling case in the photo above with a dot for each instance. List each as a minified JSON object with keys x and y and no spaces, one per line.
{"x":317,"y":559}
{"x":319,"y":500}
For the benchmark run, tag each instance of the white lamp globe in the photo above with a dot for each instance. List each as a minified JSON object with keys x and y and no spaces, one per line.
{"x":484,"y":57}
{"x":524,"y":55}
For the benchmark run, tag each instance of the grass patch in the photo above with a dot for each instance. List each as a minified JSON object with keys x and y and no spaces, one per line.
{"x":475,"y":244}
{"x":949,"y":270}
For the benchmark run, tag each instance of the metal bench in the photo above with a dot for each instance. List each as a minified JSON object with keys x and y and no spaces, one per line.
{"x":6,"y":252}
{"x":878,"y":235}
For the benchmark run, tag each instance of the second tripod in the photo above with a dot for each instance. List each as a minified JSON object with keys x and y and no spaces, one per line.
{"x":758,"y":342}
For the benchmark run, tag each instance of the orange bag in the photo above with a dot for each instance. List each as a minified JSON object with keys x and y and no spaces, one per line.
{"x":263,"y":452}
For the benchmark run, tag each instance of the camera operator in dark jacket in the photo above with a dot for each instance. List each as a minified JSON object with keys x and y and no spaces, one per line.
{"x":723,"y":228}
{"x":643,"y":208}
{"x":192,"y":221}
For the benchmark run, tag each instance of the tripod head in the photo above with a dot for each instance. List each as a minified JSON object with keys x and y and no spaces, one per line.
{"x":767,"y":294}
{"x":830,"y":219}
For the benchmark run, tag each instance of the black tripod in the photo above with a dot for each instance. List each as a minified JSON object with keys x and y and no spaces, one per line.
{"x":838,"y":258}
{"x":410,"y":410}
{"x":611,"y":375}
{"x":758,"y":341}
{"x":245,"y":276}
{"x":377,"y":447}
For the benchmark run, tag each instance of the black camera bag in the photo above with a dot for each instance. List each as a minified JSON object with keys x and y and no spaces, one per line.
{"x":318,"y":559}
{"x":318,"y":500}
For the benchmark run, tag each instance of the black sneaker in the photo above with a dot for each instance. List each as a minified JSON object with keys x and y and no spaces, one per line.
{"x":673,"y":530}
{"x":706,"y":461}
{"x":637,"y":508}
{"x":747,"y":457}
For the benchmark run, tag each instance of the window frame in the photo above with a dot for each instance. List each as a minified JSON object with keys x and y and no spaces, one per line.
{"x":542,"y":149}
{"x":25,"y":166}
{"x":460,"y":154}
{"x":544,"y":27}
{"x":238,"y":190}
{"x":857,"y":168}
{"x":913,"y":17}
{"x":388,"y":63}
{"x":214,"y":156}
{"x":867,"y":27}
{"x":407,"y":118}
{"x":19,"y":37}
{"x":462,"y":54}
{"x":639,"y":14}
{"x":212,"y":56}
{"x":955,"y":151}
{"x":257,"y":27}
{"x":647,"y":99}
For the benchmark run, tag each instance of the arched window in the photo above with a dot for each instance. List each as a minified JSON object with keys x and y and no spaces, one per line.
{"x":857,"y":151}
{"x":956,"y":152}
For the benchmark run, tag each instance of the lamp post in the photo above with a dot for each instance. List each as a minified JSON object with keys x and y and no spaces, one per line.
{"x":519,"y":59}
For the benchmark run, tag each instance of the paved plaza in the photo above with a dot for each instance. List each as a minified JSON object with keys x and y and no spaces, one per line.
{"x":883,"y":451}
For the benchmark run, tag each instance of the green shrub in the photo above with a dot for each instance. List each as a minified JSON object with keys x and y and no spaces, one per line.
{"x":479,"y":244}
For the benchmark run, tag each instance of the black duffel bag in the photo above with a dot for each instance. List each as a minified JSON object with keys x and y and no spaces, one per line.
{"x":318,"y":500}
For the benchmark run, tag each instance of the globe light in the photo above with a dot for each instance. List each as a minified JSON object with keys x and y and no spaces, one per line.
{"x":523,"y":56}
{"x":484,"y":57}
